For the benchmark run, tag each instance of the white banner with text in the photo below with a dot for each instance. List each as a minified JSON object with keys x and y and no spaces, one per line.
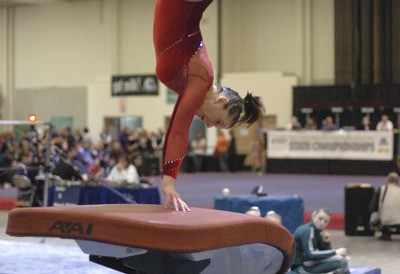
{"x":335,"y":145}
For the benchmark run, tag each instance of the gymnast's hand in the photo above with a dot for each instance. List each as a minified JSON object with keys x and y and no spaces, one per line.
{"x":172,"y":198}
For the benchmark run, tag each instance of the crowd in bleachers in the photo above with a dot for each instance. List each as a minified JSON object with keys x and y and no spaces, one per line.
{"x":75,"y":155}
{"x":94,"y":156}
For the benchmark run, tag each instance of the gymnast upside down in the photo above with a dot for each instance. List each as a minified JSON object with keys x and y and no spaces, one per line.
{"x":183,"y":66}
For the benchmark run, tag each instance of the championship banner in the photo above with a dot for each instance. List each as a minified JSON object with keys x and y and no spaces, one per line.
{"x":123,"y":85}
{"x":335,"y":145}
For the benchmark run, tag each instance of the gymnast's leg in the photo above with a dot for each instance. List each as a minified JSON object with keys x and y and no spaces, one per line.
{"x":177,"y":38}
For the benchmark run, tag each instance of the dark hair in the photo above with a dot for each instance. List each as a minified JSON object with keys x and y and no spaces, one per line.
{"x":242,"y":111}
{"x":324,"y":210}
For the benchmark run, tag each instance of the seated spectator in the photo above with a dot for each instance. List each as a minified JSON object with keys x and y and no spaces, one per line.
{"x":310,"y":124}
{"x":384,"y":123}
{"x":386,"y":202}
{"x":198,"y":147}
{"x":365,"y":124}
{"x":85,"y":156}
{"x":65,"y":167}
{"x":145,"y":145}
{"x":221,"y":151}
{"x":95,"y":170}
{"x":137,"y":161}
{"x":314,"y":251}
{"x":328,"y":124}
{"x":293,"y":124}
{"x":124,"y":172}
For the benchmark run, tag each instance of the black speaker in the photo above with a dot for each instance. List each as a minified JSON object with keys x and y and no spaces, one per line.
{"x":356,"y":214}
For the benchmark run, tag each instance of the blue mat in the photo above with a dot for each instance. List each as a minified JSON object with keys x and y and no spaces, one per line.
{"x":43,"y":258}
{"x":364,"y":270}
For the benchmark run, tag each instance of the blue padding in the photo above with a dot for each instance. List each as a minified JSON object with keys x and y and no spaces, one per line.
{"x":290,"y":208}
{"x":364,"y":270}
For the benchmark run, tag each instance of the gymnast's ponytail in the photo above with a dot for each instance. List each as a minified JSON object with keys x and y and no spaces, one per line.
{"x":242,"y":111}
{"x":253,"y":109}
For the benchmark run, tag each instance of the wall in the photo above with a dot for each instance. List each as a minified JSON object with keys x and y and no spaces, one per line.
{"x":295,"y":37}
{"x":47,"y":103}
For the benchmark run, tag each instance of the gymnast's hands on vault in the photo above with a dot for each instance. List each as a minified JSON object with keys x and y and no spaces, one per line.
{"x":172,"y":198}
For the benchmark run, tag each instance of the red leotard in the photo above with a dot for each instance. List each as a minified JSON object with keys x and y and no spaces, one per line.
{"x":183,"y":66}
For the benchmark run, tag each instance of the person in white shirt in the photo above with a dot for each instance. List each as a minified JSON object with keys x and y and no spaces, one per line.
{"x":124,"y":172}
{"x":386,"y":202}
{"x":385,"y":123}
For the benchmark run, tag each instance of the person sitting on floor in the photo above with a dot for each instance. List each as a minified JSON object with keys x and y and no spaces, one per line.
{"x":314,"y":253}
{"x":386,"y":203}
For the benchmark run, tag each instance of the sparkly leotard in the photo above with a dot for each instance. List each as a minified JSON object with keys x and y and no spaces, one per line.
{"x":183,"y":66}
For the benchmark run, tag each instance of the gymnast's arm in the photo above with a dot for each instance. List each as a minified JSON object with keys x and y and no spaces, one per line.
{"x":176,"y":142}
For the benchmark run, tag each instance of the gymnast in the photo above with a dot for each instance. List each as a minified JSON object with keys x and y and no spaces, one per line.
{"x":183,"y":66}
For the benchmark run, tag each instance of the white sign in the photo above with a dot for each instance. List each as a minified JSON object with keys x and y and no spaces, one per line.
{"x":339,"y":145}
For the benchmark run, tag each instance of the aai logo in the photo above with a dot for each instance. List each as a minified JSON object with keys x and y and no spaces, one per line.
{"x":71,"y":228}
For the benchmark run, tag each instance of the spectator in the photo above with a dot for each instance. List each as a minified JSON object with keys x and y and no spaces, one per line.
{"x":137,"y":161}
{"x":233,"y":161}
{"x":384,"y":123}
{"x":386,"y":204}
{"x":65,"y":167}
{"x":314,"y":251}
{"x":85,"y":155}
{"x":69,"y":137}
{"x":158,"y":143}
{"x":134,"y":141}
{"x":116,"y":150}
{"x":365,"y":124}
{"x":87,"y":137}
{"x":293,"y":124}
{"x":32,"y":135}
{"x":123,"y":138}
{"x":329,"y":125}
{"x":198,"y":147}
{"x":124,"y":172}
{"x":78,"y":136}
{"x":145,"y":146}
{"x":105,"y":137}
{"x":221,"y":151}
{"x":95,"y":170}
{"x":310,"y":124}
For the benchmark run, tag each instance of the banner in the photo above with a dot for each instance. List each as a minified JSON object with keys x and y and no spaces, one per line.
{"x":134,"y":85}
{"x":66,"y":196}
{"x":335,"y":145}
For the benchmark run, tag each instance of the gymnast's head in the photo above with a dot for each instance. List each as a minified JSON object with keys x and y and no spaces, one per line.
{"x":224,"y":108}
